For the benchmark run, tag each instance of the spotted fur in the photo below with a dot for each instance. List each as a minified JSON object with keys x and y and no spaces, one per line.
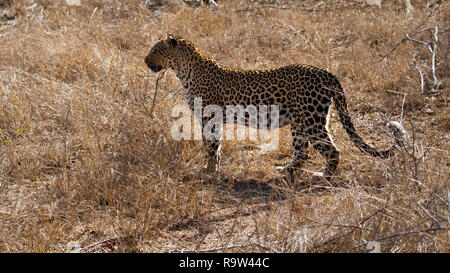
{"x":302,"y":92}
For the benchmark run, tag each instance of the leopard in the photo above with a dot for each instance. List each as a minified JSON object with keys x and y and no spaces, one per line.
{"x":303,"y":94}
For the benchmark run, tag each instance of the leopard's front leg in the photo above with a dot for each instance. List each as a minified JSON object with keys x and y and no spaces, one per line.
{"x":212,"y":137}
{"x":213,"y":151}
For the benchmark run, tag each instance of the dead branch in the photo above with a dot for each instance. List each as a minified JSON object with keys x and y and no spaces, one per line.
{"x":74,"y":247}
{"x":422,"y":84}
{"x":99,"y":243}
{"x":156,"y":90}
{"x":432,"y":49}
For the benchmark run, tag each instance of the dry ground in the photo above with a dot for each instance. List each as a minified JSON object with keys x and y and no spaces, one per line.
{"x":86,"y":156}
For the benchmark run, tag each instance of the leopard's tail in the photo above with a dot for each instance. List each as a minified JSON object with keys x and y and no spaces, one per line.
{"x":341,"y":106}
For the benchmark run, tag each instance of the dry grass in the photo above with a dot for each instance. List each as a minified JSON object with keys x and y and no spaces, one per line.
{"x":84,"y":157}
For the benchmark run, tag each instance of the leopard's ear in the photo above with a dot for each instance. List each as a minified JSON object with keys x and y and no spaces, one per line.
{"x":172,"y":40}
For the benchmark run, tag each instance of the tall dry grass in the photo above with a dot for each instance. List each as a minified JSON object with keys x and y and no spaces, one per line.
{"x":86,"y":156}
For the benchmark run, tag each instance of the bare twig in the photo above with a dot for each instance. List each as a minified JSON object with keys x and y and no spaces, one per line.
{"x":422,"y":85}
{"x":99,"y":243}
{"x":432,"y":49}
{"x":156,"y":90}
{"x":403,"y":102}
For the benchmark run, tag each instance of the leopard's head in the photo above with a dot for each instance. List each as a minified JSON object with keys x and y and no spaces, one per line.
{"x":162,"y":53}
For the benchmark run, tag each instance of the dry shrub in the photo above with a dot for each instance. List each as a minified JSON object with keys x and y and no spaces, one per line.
{"x":86,"y":155}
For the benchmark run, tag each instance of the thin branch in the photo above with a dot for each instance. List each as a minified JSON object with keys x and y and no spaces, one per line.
{"x":433,"y":60}
{"x":99,"y":243}
{"x":432,"y":49}
{"x":403,"y":102}
{"x":403,"y":108}
{"x":422,"y":84}
{"x":419,"y":42}
{"x":156,"y":90}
